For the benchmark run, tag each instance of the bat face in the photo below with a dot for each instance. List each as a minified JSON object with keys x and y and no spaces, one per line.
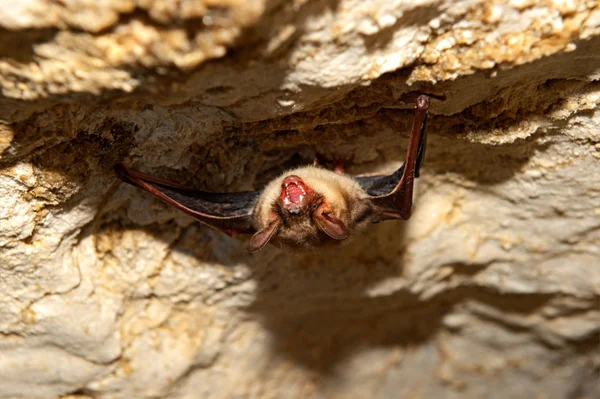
{"x":304,"y":208}
{"x":309,"y":207}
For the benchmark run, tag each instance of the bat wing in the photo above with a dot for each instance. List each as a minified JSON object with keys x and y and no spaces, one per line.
{"x":392,"y":195}
{"x":230,"y":213}
{"x":378,"y":185}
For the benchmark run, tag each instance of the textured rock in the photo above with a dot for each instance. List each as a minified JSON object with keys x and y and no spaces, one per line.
{"x":492,"y":289}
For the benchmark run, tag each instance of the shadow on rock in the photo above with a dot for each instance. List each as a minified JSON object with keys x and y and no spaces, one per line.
{"x":322,"y":307}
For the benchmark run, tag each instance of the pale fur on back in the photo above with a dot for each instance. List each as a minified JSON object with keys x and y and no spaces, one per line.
{"x":331,"y":185}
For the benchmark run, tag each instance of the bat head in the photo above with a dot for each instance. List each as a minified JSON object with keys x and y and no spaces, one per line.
{"x":306,"y":208}
{"x":307,"y":212}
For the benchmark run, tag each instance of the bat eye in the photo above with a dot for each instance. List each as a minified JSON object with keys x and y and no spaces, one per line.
{"x":315,"y":205}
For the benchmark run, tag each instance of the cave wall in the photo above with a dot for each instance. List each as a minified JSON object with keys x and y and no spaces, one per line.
{"x":492,"y":289}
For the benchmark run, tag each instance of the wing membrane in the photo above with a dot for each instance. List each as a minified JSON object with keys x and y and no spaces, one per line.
{"x":230,"y":213}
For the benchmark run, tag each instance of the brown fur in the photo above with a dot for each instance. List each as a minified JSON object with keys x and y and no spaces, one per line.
{"x":340,"y":193}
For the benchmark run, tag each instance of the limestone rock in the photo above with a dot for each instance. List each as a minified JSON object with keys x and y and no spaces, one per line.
{"x":492,"y":289}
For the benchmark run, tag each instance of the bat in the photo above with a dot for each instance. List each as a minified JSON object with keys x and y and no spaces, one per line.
{"x":306,"y":207}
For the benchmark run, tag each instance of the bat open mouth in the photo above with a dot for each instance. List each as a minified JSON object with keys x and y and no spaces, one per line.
{"x":293,"y":193}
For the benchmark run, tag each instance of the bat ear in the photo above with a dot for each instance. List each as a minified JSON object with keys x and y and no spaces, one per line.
{"x":262,"y":237}
{"x":329,"y":224}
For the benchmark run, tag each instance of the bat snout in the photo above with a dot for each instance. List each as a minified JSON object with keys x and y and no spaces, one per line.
{"x":294,"y":194}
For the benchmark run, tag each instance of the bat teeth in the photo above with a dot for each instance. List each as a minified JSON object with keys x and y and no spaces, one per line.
{"x":293,"y":193}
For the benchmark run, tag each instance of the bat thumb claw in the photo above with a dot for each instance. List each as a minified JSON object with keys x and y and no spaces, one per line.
{"x":423,"y":102}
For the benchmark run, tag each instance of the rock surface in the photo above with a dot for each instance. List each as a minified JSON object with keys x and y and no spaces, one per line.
{"x":492,"y":289}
